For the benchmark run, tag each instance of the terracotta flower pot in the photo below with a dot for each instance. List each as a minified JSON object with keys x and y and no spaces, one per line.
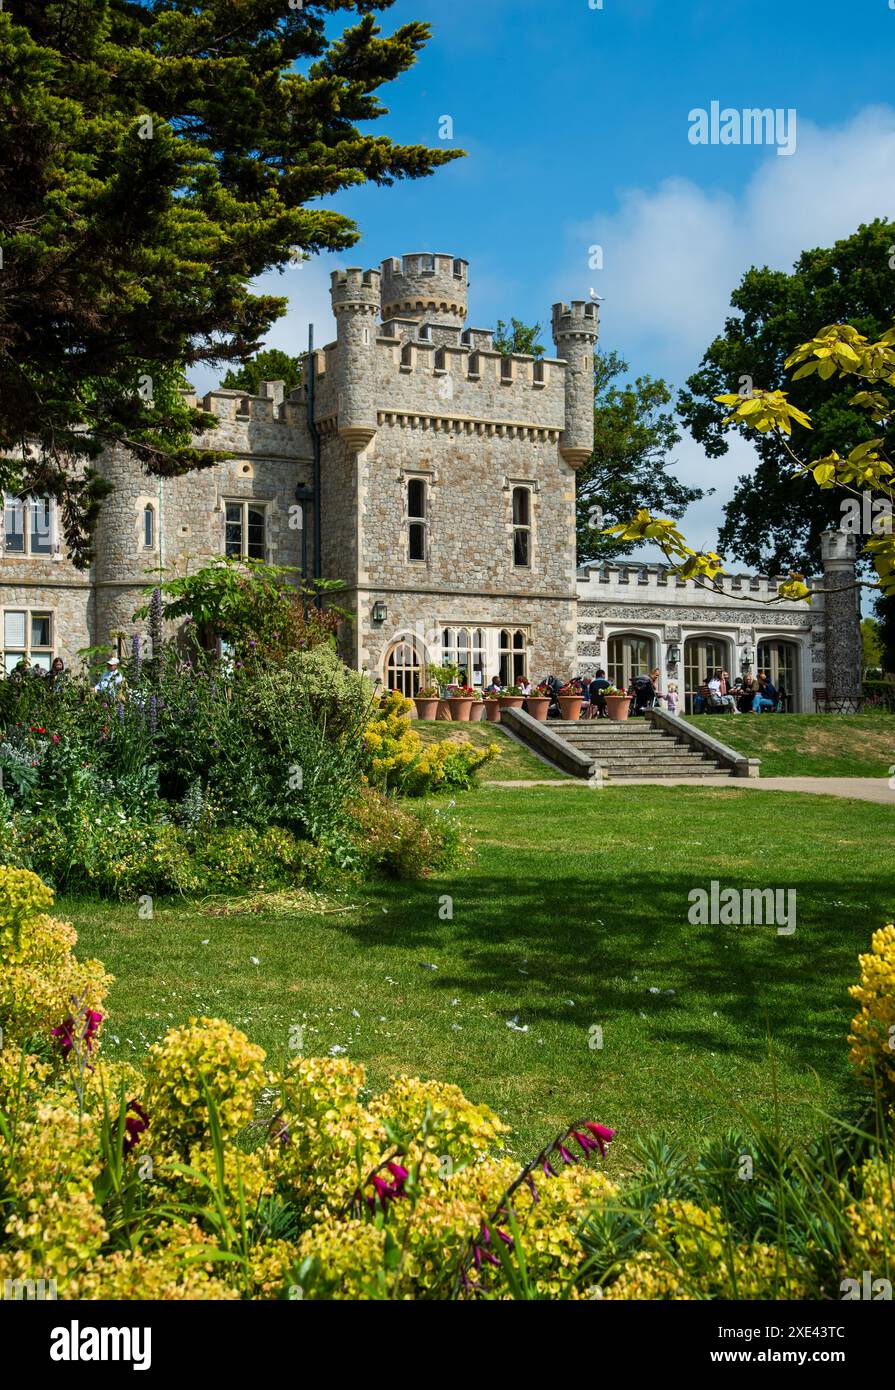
{"x":511,"y":701}
{"x":460,"y":707}
{"x":618,"y":706}
{"x":492,"y":711}
{"x":538,"y":706}
{"x":477,"y":711}
{"x":426,"y":708}
{"x":570,"y":705}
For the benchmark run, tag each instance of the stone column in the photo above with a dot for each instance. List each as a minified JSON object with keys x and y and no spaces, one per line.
{"x":842,"y":617}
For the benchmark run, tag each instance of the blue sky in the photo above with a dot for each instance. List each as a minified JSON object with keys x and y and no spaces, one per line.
{"x":575,"y":120}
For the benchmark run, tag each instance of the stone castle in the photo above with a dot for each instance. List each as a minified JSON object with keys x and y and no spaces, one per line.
{"x":435,"y":478}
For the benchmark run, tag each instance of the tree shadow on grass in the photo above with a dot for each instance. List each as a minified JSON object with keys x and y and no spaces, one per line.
{"x":533,"y":943}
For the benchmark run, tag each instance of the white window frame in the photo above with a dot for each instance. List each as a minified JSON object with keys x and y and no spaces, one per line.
{"x":26,"y":507}
{"x":466,"y":646}
{"x":509,"y":648}
{"x":246,"y":504}
{"x":31,"y":649}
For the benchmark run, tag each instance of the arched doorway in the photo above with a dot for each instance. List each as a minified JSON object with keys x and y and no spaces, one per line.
{"x":703,"y":656}
{"x":628,"y":654}
{"x":779,"y":660}
{"x":404,"y":668}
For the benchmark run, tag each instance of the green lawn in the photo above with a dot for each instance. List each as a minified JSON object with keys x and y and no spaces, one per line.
{"x":515,"y":764}
{"x":574,"y":915}
{"x":809,"y":745}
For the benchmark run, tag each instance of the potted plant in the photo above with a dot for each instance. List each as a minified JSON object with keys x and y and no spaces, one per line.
{"x":618,"y":702}
{"x":444,"y":677}
{"x":477,"y":708}
{"x":511,"y":697}
{"x":492,"y":706}
{"x":539,"y":701}
{"x":460,"y":698}
{"x":570,"y":700}
{"x":426,"y":701}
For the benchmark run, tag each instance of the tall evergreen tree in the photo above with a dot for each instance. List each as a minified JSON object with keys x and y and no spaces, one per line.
{"x":154,"y":158}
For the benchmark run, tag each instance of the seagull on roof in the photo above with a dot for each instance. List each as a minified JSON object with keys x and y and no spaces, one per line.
{"x":597,"y":298}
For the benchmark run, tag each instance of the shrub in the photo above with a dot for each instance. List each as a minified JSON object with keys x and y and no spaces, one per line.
{"x":404,"y":842}
{"x":449,"y":765}
{"x":40,"y":976}
{"x":873,"y":1028}
{"x":202,"y":1065}
{"x":258,"y":1183}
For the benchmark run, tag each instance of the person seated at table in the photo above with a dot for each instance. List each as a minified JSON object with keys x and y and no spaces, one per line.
{"x":766,"y":696}
{"x":595,"y":695}
{"x":719,"y":697}
{"x":495,"y":686}
{"x":745,"y":693}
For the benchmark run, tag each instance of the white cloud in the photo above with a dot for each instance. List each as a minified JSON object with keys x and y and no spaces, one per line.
{"x":673,"y":254}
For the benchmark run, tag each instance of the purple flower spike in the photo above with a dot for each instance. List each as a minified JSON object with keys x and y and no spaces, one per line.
{"x":565,"y":1155}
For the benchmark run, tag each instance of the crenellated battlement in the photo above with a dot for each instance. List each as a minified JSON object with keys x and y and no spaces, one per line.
{"x":426,"y":285}
{"x":355,"y":289}
{"x":656,"y":583}
{"x":576,"y":319}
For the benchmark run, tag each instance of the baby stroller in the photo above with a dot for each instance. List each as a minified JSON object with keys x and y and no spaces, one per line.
{"x":644,"y":694}
{"x":555,"y":685}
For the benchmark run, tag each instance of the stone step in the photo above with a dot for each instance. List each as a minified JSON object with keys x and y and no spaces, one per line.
{"x":636,"y":750}
{"x":665,"y":766}
{"x":632,"y":776}
{"x":627,"y":751}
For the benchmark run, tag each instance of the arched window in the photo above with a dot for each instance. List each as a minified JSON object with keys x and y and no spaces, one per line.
{"x":703,"y":656}
{"x":513,"y":656}
{"x":628,"y":655}
{"x":149,"y":526}
{"x":780,"y":662}
{"x":403,"y":669}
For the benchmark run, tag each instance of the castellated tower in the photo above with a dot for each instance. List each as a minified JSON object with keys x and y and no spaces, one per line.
{"x":124,"y":562}
{"x":447,"y":496}
{"x":842,"y":618}
{"x":576,"y":328}
{"x":433,"y":288}
{"x":356,"y":301}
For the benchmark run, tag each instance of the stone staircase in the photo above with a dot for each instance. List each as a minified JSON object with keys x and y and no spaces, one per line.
{"x":635,"y":748}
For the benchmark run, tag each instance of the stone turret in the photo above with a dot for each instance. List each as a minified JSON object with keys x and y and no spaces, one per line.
{"x":576,"y":328}
{"x":842,"y":617}
{"x":432,"y":288}
{"x":356,"y":303}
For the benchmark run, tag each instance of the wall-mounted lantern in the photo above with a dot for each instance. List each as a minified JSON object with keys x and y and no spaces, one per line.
{"x":674,"y":654}
{"x":746,"y":661}
{"x":380,"y":612}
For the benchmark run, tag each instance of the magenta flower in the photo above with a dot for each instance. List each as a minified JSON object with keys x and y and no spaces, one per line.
{"x":136,"y":1122}
{"x":65,"y":1032}
{"x":602,"y":1135}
